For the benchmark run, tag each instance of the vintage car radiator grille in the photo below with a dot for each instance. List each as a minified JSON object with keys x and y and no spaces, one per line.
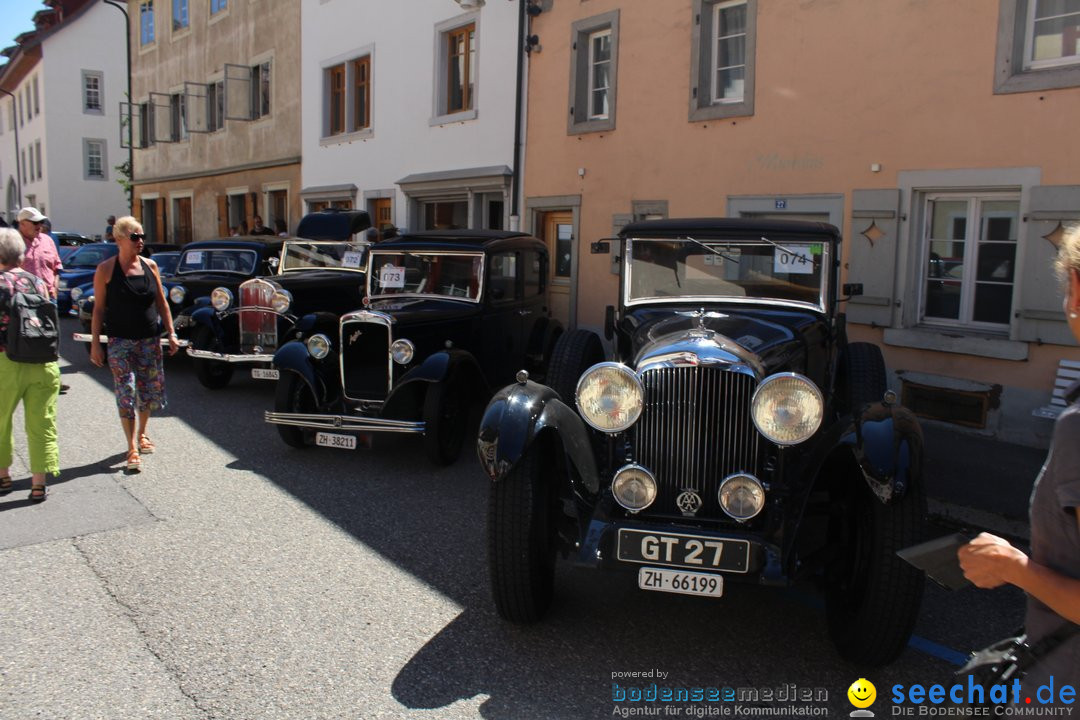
{"x":258,"y":325}
{"x":365,"y":360}
{"x":694,"y":431}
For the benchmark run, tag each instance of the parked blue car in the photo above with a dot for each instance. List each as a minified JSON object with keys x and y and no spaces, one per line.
{"x":79,"y":270}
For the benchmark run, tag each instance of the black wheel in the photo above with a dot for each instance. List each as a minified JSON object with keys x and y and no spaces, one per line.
{"x":575,"y":352}
{"x":446,"y":419}
{"x":872,"y":597}
{"x":211,"y":373}
{"x":864,"y":373}
{"x":294,"y":396}
{"x":522,"y":541}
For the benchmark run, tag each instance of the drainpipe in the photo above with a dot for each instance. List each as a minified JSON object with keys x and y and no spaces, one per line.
{"x":18,"y":168}
{"x":131,"y":143}
{"x":515,"y":187}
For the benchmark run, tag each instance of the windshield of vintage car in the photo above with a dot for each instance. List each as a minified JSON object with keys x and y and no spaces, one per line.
{"x":167,"y":262}
{"x":306,"y":254}
{"x":672,"y":270}
{"x":89,"y":256}
{"x":414,"y":273}
{"x":230,"y":260}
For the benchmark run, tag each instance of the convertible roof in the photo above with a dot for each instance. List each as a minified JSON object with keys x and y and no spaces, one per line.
{"x":725,"y":228}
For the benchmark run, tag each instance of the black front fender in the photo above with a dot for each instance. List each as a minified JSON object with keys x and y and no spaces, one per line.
{"x":888,"y":444}
{"x":520,"y":413}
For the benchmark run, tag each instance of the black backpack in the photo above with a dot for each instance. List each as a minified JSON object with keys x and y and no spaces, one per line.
{"x":33,"y":333}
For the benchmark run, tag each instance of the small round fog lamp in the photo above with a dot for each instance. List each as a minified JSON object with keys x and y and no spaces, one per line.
{"x":402,"y":351}
{"x":318,"y":346}
{"x":634,"y":488}
{"x":177,"y":293}
{"x":76,"y":293}
{"x":221,"y":298}
{"x":741,"y":496}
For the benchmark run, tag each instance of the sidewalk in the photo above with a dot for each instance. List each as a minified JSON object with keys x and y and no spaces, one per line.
{"x":979,"y":482}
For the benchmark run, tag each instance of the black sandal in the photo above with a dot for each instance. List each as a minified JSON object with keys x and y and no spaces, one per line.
{"x":5,"y":485}
{"x":38,"y":493}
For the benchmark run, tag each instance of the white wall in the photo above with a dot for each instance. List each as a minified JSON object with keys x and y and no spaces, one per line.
{"x":402,"y":39}
{"x":92,"y":41}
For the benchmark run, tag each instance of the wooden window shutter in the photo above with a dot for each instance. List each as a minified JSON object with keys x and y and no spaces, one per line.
{"x":253,"y":210}
{"x":223,"y":215}
{"x":1039,"y":317}
{"x":160,"y":227}
{"x":872,"y":251}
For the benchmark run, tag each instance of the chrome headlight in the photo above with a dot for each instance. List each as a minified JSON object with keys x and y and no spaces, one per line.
{"x":76,"y":293}
{"x":741,"y":496}
{"x":318,"y":346}
{"x":787,"y":408}
{"x":634,"y":488}
{"x":281,"y":301}
{"x":610,"y":397}
{"x":402,"y":351}
{"x":221,"y":298}
{"x":177,"y":293}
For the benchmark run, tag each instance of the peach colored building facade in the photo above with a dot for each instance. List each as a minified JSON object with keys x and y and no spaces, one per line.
{"x":938,"y":136}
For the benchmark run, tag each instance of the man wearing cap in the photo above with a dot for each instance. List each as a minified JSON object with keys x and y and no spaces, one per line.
{"x":41,"y":256}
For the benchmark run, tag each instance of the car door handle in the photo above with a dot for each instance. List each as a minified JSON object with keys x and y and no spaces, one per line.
{"x":523,"y":313}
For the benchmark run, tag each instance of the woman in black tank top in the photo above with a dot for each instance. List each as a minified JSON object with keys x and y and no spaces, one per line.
{"x":130,"y":302}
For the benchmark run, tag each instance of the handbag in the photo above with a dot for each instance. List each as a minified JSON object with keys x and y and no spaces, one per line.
{"x":1012,"y":657}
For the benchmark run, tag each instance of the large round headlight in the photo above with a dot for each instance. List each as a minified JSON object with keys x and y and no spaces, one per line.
{"x":402,"y":351}
{"x":634,"y":488}
{"x":318,"y":346}
{"x":787,"y":408}
{"x":741,"y":496}
{"x":221,"y":298}
{"x":610,"y":397}
{"x":76,"y":293}
{"x":177,"y":294}
{"x":281,"y":301}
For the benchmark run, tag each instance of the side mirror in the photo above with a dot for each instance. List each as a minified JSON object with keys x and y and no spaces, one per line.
{"x":852,"y":289}
{"x":609,"y":322}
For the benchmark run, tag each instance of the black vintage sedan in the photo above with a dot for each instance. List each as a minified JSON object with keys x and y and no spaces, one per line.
{"x":733,"y":436}
{"x":320,"y":271}
{"x":448,"y":316}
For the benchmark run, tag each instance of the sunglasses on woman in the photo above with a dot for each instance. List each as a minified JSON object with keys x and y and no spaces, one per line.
{"x":136,"y":237}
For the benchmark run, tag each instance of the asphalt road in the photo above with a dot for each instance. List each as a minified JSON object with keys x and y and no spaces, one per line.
{"x":238,"y":578}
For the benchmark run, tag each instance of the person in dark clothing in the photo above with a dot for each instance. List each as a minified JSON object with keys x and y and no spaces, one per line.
{"x":257,"y":227}
{"x":1051,"y":574}
{"x":130,"y":303}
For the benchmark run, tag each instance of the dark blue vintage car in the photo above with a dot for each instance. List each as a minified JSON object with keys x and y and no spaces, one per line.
{"x":322,"y":271}
{"x":733,"y":435}
{"x":448,"y":316}
{"x":78,"y":270}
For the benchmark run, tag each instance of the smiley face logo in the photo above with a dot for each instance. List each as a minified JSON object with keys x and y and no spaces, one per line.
{"x":862,"y":693}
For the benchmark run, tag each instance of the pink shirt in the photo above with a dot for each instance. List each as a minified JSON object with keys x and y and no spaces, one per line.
{"x":43,"y":260}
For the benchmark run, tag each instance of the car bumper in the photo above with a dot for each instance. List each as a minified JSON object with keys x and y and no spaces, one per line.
{"x":230,"y":357}
{"x":85,"y":338}
{"x":344,"y":423}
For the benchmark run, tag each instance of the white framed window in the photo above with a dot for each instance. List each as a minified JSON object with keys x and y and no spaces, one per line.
{"x":599,"y":74}
{"x":722,"y":59}
{"x":30,"y":171}
{"x":215,"y":105}
{"x":180,"y":18}
{"x":347,"y":95}
{"x":260,"y":90}
{"x":457,"y":60}
{"x":729,"y":52}
{"x":37,"y":156}
{"x":217,"y":6}
{"x":969,"y":260}
{"x":594,"y":61}
{"x":146,"y":22}
{"x":93,"y":159}
{"x":37,"y":97}
{"x":93,"y":83}
{"x":178,"y":116}
{"x":1052,"y":34}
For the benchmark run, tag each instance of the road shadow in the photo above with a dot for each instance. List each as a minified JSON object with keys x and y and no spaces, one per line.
{"x":430,"y":522}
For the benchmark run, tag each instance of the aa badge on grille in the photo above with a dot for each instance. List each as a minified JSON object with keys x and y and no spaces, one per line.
{"x":688,"y":502}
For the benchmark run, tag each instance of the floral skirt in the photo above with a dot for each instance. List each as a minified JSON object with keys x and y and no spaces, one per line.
{"x":138,"y":375}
